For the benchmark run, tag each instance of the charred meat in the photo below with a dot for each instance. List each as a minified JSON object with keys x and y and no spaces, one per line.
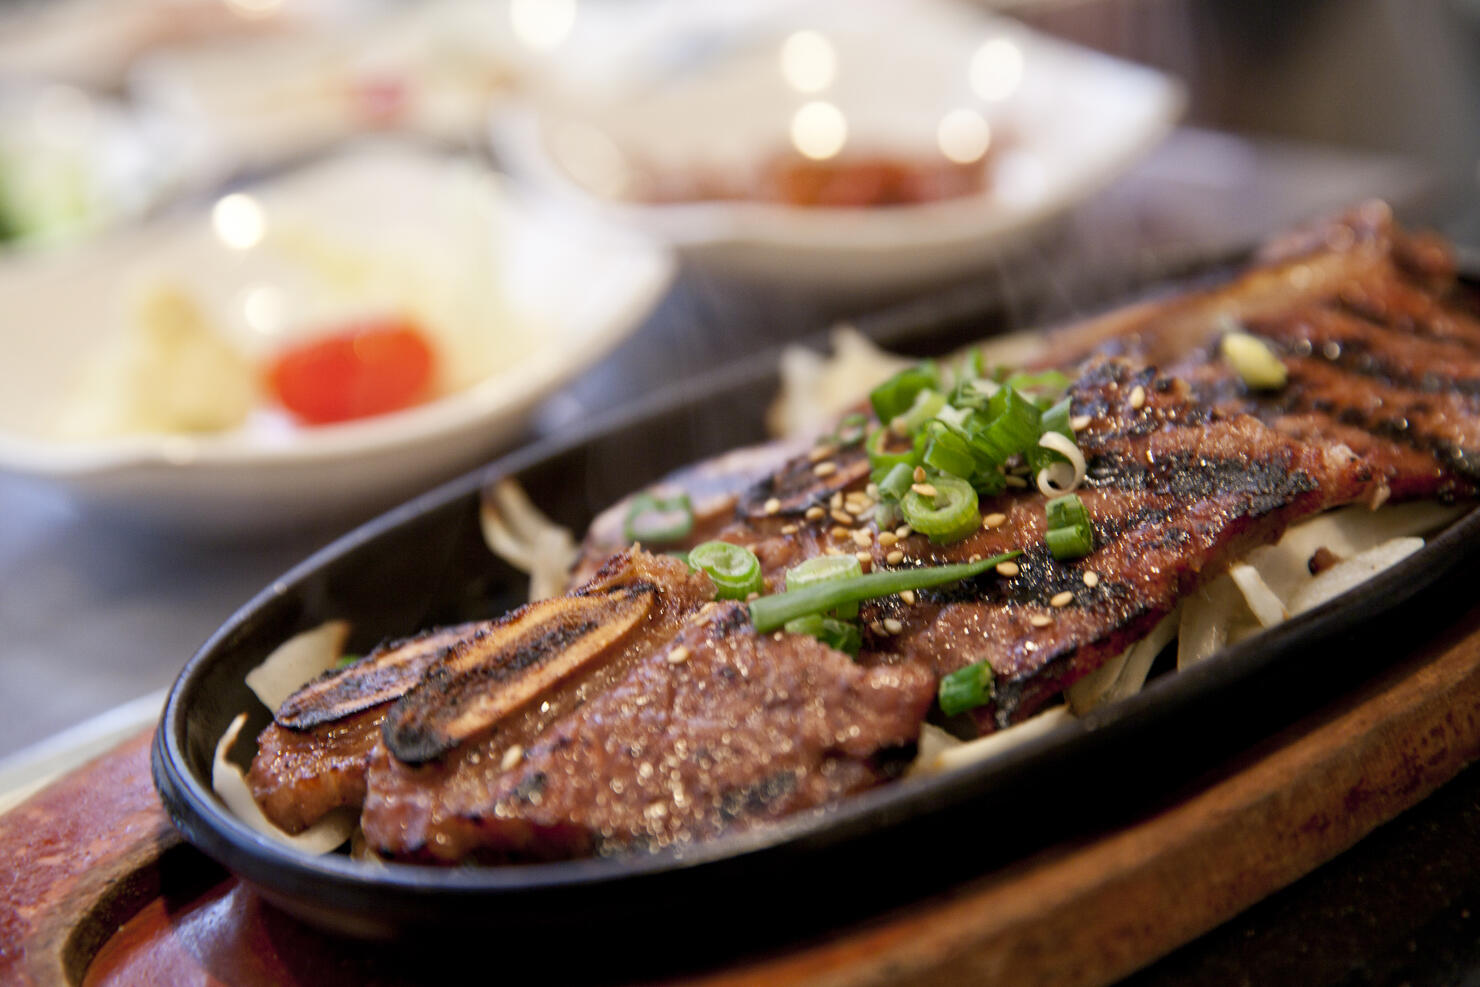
{"x":637,"y":711}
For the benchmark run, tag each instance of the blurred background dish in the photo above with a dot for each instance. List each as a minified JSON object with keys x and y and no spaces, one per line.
{"x":168,"y":387}
{"x":835,"y":144}
{"x":74,"y":163}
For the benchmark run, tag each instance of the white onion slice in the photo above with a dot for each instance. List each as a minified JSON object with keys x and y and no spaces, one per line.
{"x":993,"y":744}
{"x":230,"y":784}
{"x":517,"y":532}
{"x":1057,"y":479}
{"x":301,"y":658}
{"x":1354,"y":571}
{"x":1263,"y":602}
{"x":1125,"y":674}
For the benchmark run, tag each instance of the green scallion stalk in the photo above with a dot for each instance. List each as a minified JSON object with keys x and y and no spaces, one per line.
{"x":927,"y":403}
{"x":896,"y":395}
{"x":1016,"y":429}
{"x":966,"y":688}
{"x":1070,"y":543}
{"x":896,"y":483}
{"x":838,"y":634}
{"x":1066,"y":511}
{"x":1070,"y":534}
{"x":735,"y":570}
{"x":884,"y":459}
{"x":1055,"y":419}
{"x":651,"y":519}
{"x":772,"y":612}
{"x":948,"y":452}
{"x":826,"y":569}
{"x":947,"y":517}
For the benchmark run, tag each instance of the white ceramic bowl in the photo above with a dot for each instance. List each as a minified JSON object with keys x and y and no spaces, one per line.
{"x":1067,"y":121}
{"x":566,"y":289}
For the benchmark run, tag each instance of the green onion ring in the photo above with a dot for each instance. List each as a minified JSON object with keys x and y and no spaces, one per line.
{"x":949,"y":516}
{"x":735,"y":570}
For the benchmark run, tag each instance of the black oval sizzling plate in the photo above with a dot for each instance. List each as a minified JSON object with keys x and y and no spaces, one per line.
{"x":425,"y":564}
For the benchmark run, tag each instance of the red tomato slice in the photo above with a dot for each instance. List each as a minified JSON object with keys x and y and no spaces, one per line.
{"x":368,"y":368}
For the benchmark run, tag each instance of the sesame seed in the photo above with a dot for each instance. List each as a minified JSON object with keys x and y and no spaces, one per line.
{"x":511,"y":758}
{"x":1040,"y":620}
{"x":838,"y":531}
{"x":892,"y":626}
{"x":836,"y":500}
{"x":1080,"y":422}
{"x":872,"y":489}
{"x":789,"y":529}
{"x":975,"y":557}
{"x":1016,"y":481}
{"x":895,"y":557}
{"x":887,"y":538}
{"x":903,"y":531}
{"x":1008,"y":568}
{"x":907,"y":596}
{"x":863,"y":557}
{"x":842,"y":517}
{"x":876,"y":627}
{"x":773,"y":506}
{"x":919,"y":476}
{"x":1061,"y":599}
{"x":1091,"y":579}
{"x":923,"y":489}
{"x":678,"y":655}
{"x":815,"y":514}
{"x":825,"y":469}
{"x":994,"y":520}
{"x":863,"y":538}
{"x":752,"y":596}
{"x":821,"y":452}
{"x":1138,"y":397}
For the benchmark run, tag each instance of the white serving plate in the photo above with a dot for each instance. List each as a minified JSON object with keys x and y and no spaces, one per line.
{"x":569,"y":287}
{"x":701,"y":98}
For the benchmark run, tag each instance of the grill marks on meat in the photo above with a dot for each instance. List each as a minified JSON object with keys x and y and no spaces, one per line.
{"x":299,"y":774}
{"x":1381,"y":346}
{"x":624,"y":716}
{"x":1175,"y":495}
{"x":381,"y":676}
{"x":745,"y":729}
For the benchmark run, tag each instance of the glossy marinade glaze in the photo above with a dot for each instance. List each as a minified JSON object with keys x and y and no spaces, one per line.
{"x":634,"y":713}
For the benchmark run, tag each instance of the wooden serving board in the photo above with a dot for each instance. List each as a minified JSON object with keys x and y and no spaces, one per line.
{"x":96,"y":888}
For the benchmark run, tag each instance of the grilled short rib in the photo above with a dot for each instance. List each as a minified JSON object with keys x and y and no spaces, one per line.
{"x":718,"y":729}
{"x":700,"y":726}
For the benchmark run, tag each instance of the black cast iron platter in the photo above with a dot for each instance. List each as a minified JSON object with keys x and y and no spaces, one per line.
{"x":425,"y":564}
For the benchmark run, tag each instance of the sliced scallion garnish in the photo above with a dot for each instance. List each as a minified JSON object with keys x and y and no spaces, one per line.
{"x":658,"y":520}
{"x":1015,"y":429}
{"x":826,"y":569}
{"x":735,"y":570}
{"x":896,"y":395}
{"x":927,"y":403}
{"x":1070,"y":533}
{"x":838,"y":634}
{"x":948,"y":452}
{"x":966,"y":688}
{"x":769,"y":613}
{"x":949,"y":515}
{"x":896,"y":483}
{"x":882,"y":458}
